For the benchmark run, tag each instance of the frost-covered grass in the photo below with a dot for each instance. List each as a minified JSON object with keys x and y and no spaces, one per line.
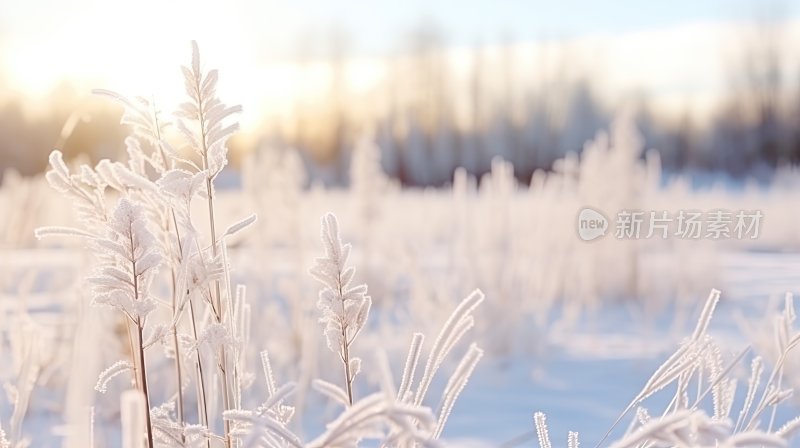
{"x":169,"y":286}
{"x":160,"y":291}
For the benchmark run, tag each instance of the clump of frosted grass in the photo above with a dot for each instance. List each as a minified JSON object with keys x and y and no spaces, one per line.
{"x":344,"y":306}
{"x":171,"y":283}
{"x":26,"y":342}
{"x":150,"y":229}
{"x":698,"y":372}
{"x":345,"y":309}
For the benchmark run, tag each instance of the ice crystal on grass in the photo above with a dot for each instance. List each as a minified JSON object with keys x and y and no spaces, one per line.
{"x":85,"y":189}
{"x":539,"y":421}
{"x":368,"y":419}
{"x":267,"y":426}
{"x":217,"y":336}
{"x":166,"y":430}
{"x":698,"y":363}
{"x":132,"y":258}
{"x":454,"y":329}
{"x":196,"y":434}
{"x":201,"y":120}
{"x":107,"y":375}
{"x":398,"y":418}
{"x":344,"y":307}
{"x":148,"y":244}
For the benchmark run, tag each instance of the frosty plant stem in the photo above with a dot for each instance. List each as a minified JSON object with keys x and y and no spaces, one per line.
{"x":209,"y":112}
{"x":178,"y":370}
{"x":345,"y":349}
{"x":217,"y":296}
{"x":175,"y":289}
{"x":344,"y":307}
{"x":202,"y":410}
{"x":346,"y":360}
{"x":129,"y":255}
{"x":140,"y":339}
{"x":201,"y":387}
{"x":122,"y":281}
{"x":144,"y":386}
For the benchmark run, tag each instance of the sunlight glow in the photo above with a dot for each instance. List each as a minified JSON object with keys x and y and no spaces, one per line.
{"x":130,"y":50}
{"x":133,"y":50}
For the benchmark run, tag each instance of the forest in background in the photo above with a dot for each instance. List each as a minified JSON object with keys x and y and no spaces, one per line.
{"x":431,"y":112}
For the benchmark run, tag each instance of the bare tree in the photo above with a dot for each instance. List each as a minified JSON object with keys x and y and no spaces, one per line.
{"x":755,"y":111}
{"x":339,"y":45}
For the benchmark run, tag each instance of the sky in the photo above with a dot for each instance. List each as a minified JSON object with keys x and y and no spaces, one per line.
{"x":375,"y":25}
{"x":675,"y":48}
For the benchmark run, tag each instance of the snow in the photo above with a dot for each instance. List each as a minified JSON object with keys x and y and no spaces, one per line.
{"x":569,"y":328}
{"x":582,"y":380}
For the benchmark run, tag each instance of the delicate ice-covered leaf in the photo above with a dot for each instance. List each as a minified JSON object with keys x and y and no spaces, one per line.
{"x":209,"y":83}
{"x":43,"y":232}
{"x":281,"y":394}
{"x":355,"y":366}
{"x":754,"y":439}
{"x":148,"y":261}
{"x":57,"y":163}
{"x":332,"y":391}
{"x":108,"y":374}
{"x":57,"y":181}
{"x":134,"y":180}
{"x":239,"y":226}
{"x":157,"y":333}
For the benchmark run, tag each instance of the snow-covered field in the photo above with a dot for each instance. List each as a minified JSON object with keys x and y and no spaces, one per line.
{"x":580,"y":360}
{"x":578,"y":330}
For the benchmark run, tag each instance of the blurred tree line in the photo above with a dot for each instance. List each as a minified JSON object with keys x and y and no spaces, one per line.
{"x":429,"y":116}
{"x":81,"y":125}
{"x":429,"y":122}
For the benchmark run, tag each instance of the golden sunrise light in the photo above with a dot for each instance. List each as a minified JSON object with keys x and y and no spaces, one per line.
{"x":294,"y":70}
{"x":399,"y":224}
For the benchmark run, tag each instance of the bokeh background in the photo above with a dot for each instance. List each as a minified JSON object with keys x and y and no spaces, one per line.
{"x":356,"y":107}
{"x":714,"y":85}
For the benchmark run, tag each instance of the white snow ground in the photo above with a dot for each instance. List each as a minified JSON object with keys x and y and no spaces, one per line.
{"x":587,"y":379}
{"x":582,"y":379}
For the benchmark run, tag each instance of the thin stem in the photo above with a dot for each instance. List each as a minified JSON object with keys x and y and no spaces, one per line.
{"x":176,"y":315}
{"x":345,"y":345}
{"x":201,"y":397}
{"x":133,"y":354}
{"x":144,"y":387}
{"x":178,"y":371}
{"x":175,"y":310}
{"x":217,"y":298}
{"x":139,"y":326}
{"x":346,"y":359}
{"x":778,"y":369}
